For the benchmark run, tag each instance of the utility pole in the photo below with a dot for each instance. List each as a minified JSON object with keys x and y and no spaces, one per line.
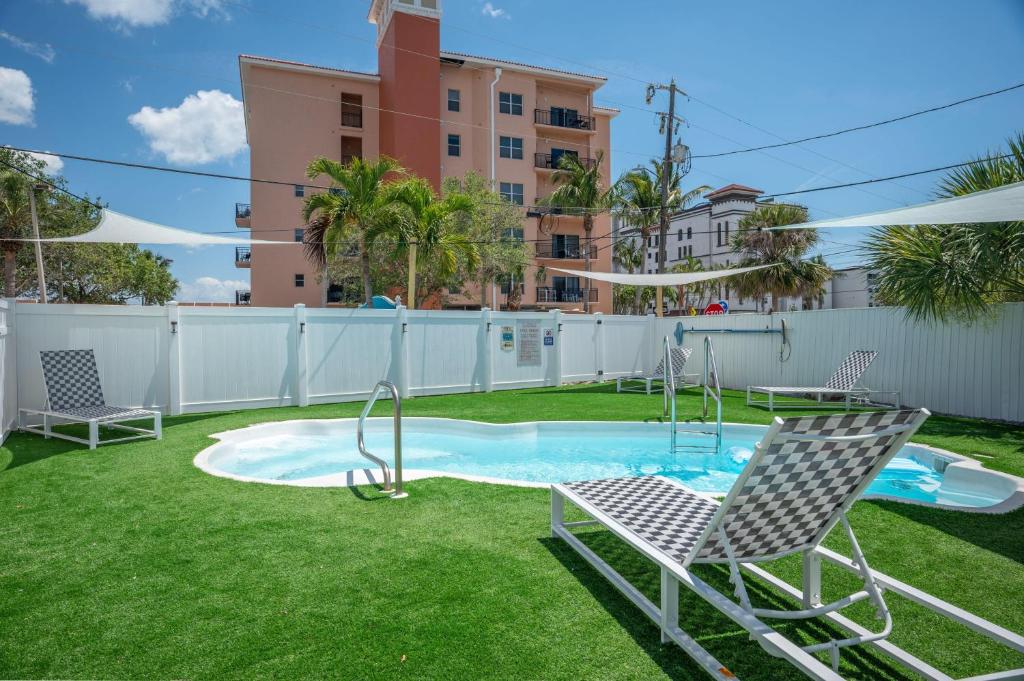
{"x":669,"y":124}
{"x":35,"y":233}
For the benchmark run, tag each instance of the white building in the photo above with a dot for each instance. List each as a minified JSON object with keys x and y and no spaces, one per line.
{"x":854,"y":287}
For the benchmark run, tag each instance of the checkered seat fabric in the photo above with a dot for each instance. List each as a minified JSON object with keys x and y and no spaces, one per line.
{"x":665,"y":514}
{"x":791,"y":492}
{"x":105,"y":413}
{"x":72,"y":381}
{"x":679,"y":357}
{"x":850,"y":371}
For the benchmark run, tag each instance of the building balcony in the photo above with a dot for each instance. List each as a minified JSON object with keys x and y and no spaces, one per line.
{"x":243,"y":257}
{"x":547,"y":294}
{"x":243,"y":297}
{"x":564,"y":120}
{"x":243,"y":213}
{"x":548,"y":162}
{"x":545,"y":249}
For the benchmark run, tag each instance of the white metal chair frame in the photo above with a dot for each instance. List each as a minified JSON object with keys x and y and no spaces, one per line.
{"x":679,"y":359}
{"x":113,"y":418}
{"x":675,"y":572}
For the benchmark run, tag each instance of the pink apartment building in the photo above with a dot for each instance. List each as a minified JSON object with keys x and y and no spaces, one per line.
{"x":440,"y":114}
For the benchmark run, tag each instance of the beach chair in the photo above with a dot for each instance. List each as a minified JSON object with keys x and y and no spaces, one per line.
{"x":74,"y":394}
{"x":804,"y":475}
{"x":679,"y":357}
{"x":843,"y":383}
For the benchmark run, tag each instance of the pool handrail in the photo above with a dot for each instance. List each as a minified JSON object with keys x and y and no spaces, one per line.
{"x":712,"y":365}
{"x":360,"y":441}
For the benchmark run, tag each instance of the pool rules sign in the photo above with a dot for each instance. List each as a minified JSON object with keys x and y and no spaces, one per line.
{"x":528,"y":343}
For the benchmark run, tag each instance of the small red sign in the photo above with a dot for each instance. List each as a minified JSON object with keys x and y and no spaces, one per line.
{"x":714,"y":308}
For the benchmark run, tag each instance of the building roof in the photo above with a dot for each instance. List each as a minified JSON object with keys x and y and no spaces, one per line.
{"x":491,"y":61}
{"x":734,"y":188}
{"x":300,"y":66}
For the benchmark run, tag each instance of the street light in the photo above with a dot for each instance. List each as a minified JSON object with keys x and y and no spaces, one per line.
{"x":41,"y":188}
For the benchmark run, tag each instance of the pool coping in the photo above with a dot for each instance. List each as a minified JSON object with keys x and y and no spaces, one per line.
{"x":368,"y":476}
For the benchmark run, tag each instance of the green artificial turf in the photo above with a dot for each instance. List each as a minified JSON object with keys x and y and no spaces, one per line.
{"x":128,"y":562}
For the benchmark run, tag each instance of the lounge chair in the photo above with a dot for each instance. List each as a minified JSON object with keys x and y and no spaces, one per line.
{"x":843,"y":383}
{"x":679,"y":357}
{"x":74,"y":394}
{"x":804,"y":475}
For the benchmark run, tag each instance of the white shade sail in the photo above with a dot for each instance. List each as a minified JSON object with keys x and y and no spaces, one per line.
{"x":671,"y":279}
{"x":118,"y":228}
{"x":1002,"y":204}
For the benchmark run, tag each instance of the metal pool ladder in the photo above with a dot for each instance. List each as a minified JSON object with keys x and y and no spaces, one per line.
{"x":669,"y":400}
{"x":397,"y":493}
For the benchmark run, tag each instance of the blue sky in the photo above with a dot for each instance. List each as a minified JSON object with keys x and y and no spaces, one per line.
{"x":119,"y":79}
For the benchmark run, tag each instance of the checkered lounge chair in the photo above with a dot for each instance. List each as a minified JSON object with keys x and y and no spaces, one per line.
{"x":74,"y":394}
{"x":843,"y":383}
{"x":804,"y":475}
{"x":679,"y":357}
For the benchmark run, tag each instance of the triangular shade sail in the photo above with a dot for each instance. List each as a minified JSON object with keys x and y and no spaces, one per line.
{"x":1002,"y":204}
{"x":118,"y":228}
{"x":672,"y":279}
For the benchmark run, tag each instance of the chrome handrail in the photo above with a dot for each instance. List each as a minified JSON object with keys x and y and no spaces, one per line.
{"x":709,"y":362}
{"x":668,"y":389}
{"x":385,"y":470}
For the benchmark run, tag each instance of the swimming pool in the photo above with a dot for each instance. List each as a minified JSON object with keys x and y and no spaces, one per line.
{"x":324,"y":453}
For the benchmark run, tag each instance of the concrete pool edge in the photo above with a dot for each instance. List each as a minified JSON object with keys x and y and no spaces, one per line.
{"x":968,"y":471}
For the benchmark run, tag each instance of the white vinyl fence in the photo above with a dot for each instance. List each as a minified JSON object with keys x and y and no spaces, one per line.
{"x":969,"y":370}
{"x":190,"y":359}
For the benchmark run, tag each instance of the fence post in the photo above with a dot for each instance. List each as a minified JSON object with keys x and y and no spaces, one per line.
{"x":173,"y":358}
{"x":599,"y":346}
{"x":556,"y":352}
{"x":486,"y":349}
{"x":652,"y":345}
{"x":302,"y":358}
{"x":401,"y":353}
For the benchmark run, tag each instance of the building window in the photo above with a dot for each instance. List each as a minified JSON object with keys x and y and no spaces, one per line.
{"x":515,"y":233}
{"x":453,"y":100}
{"x":679,"y":234}
{"x":454,"y":145}
{"x":351,"y":110}
{"x":300,"y":190}
{"x":650,"y":242}
{"x":689,"y":232}
{"x":510,"y":103}
{"x":300,"y":280}
{"x":726,"y":231}
{"x":300,"y":232}
{"x":679,"y":255}
{"x":511,"y":147}
{"x":336,"y":191}
{"x":512,"y":191}
{"x":719,"y":230}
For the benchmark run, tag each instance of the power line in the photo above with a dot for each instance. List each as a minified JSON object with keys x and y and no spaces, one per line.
{"x":866,"y":126}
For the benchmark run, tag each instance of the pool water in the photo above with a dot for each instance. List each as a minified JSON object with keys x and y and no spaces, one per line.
{"x":547,"y":453}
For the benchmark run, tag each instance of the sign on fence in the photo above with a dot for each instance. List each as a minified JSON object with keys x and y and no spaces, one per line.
{"x":529,"y":343}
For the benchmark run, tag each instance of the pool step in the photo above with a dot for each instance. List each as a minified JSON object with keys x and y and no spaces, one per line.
{"x":693,"y":447}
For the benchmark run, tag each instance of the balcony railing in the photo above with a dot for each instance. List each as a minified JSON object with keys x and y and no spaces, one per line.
{"x":547,"y":294}
{"x":243,"y":256}
{"x":351,"y":119}
{"x":564,"y":120}
{"x":546,"y":249}
{"x":547,"y":161}
{"x":243,"y":211}
{"x":243,"y":297}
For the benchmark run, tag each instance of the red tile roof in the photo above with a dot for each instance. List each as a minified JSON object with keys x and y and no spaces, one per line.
{"x":730,"y":188}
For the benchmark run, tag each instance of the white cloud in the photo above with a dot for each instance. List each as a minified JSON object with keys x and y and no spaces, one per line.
{"x":494,"y":12}
{"x":16,"y":100}
{"x":54,"y":164}
{"x":211,"y":290}
{"x":207,"y":126}
{"x":131,"y":13}
{"x":44,"y":51}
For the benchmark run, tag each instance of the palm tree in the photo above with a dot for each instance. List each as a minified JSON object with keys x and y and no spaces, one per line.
{"x":427,"y":230}
{"x":784,"y":248}
{"x":579,"y":191}
{"x":631,"y":253}
{"x":960,"y":271}
{"x":14,"y":217}
{"x":690,"y":264}
{"x":357,"y":208}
